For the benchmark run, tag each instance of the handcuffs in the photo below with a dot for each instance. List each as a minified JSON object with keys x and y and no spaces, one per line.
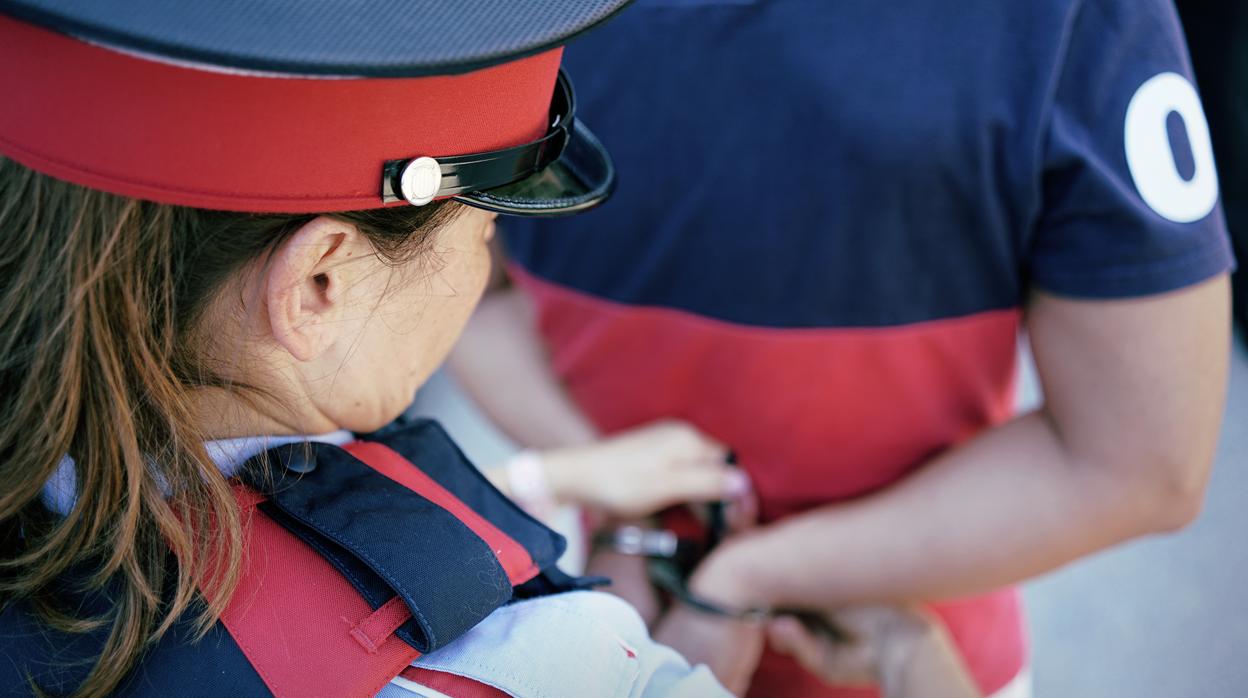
{"x":671,"y":558}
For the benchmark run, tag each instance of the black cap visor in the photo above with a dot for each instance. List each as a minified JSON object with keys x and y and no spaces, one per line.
{"x":580,"y":179}
{"x":564,"y":172}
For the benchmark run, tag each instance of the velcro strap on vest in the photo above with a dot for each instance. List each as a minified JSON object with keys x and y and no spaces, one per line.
{"x":438,"y":537}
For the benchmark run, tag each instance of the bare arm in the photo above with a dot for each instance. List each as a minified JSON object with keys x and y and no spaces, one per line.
{"x":632,"y":473}
{"x":501,"y":362}
{"x":1123,"y":447}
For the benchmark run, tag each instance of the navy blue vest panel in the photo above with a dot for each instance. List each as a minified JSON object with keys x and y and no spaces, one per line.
{"x":389,"y":540}
{"x":58,"y":662}
{"x":439,"y":457}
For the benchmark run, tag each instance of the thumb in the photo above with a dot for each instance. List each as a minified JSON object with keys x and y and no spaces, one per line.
{"x":788,"y":636}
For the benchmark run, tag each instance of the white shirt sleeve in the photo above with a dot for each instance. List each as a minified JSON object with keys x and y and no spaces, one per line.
{"x":575,"y":644}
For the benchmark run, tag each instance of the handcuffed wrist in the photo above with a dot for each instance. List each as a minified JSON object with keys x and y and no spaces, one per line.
{"x":666,"y":577}
{"x":725,"y":575}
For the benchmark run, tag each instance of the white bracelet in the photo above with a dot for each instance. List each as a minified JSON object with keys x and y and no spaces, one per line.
{"x":526,"y":477}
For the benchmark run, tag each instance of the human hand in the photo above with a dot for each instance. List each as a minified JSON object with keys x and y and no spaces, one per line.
{"x":629,"y":581}
{"x":902,"y":649}
{"x":729,"y":647}
{"x":643,"y":470}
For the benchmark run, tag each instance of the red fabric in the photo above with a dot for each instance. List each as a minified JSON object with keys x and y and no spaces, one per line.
{"x":515,"y":560}
{"x":815,"y":416}
{"x":986,"y":629}
{"x":205,"y":138}
{"x":381,"y":624}
{"x":303,"y":626}
{"x":292,"y":616}
{"x":450,"y":684}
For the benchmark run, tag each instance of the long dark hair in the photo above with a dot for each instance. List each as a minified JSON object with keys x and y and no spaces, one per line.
{"x":101,"y":300}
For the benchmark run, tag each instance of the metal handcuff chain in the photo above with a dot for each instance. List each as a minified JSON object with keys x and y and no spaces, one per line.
{"x":664,"y":552}
{"x":664,"y":574}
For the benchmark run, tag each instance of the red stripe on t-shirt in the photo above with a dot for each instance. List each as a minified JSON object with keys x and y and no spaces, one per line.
{"x":815,"y":415}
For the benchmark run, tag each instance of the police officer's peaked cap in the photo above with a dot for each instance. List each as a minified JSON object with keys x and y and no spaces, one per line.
{"x":304,"y":105}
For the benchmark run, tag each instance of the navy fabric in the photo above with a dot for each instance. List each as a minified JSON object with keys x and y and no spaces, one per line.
{"x":370,"y":585}
{"x":446,"y":574}
{"x":1096,"y":236}
{"x":439,"y":457}
{"x":445,"y":462}
{"x":53,"y":660}
{"x":337,"y":37}
{"x":389,"y":540}
{"x":214,"y":666}
{"x":855,"y":163}
{"x":58,"y":662}
{"x":1217,"y":32}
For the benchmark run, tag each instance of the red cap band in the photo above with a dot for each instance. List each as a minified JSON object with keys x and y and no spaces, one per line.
{"x":212,"y":139}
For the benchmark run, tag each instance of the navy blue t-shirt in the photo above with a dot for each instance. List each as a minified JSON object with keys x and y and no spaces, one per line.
{"x":830,"y":215}
{"x":926,"y":159}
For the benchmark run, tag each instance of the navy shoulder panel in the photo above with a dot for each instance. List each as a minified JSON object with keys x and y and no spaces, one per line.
{"x":55,"y":662}
{"x":441,"y":459}
{"x":58,"y":662}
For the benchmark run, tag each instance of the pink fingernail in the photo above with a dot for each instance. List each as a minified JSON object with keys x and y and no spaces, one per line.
{"x":736,"y":483}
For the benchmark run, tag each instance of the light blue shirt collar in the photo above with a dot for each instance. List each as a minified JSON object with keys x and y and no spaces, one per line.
{"x":60,"y":491}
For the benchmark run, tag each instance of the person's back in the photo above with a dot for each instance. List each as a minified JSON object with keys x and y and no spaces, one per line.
{"x":876,"y":189}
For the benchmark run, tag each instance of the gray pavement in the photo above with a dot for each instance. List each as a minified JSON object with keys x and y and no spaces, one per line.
{"x":1162,"y":617}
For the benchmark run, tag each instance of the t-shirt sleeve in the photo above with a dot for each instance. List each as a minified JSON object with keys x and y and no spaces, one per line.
{"x":1130,"y":198}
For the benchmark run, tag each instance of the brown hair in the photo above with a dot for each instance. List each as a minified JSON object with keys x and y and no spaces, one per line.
{"x":100,"y":300}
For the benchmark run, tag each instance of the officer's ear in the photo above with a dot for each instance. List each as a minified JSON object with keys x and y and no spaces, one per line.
{"x":304,"y":282}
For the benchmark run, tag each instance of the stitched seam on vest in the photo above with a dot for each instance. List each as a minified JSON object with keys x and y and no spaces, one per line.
{"x":379,"y":568}
{"x":364,"y":633}
{"x":319,"y":547}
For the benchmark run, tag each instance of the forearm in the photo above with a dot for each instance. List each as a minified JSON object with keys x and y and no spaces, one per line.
{"x":1007,"y":506}
{"x":629,"y":580}
{"x":501,"y":362}
{"x":1124,"y":445}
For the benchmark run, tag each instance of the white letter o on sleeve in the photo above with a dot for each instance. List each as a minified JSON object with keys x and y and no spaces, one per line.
{"x":1151,"y":158}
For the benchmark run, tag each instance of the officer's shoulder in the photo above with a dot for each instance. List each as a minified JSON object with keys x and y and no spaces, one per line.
{"x":57,"y":662}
